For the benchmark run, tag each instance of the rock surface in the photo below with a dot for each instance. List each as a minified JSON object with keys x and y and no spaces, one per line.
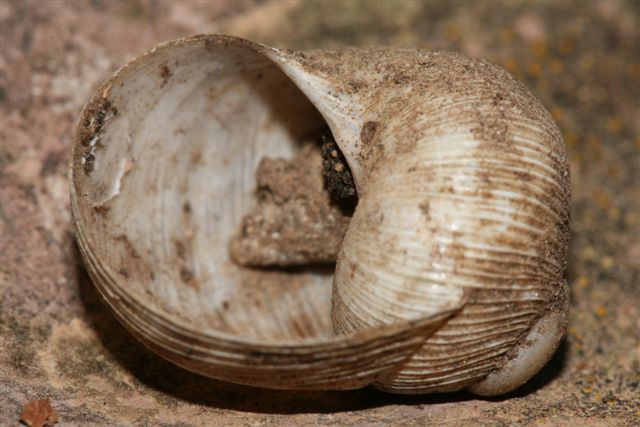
{"x":58,"y":341}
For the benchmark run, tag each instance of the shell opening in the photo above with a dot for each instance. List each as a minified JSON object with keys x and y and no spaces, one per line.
{"x":201,"y":118}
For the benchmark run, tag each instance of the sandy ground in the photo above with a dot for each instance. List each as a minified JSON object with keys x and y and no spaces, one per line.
{"x":59,"y":341}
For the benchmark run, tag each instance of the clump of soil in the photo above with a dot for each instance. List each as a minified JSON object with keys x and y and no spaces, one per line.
{"x":337,"y":174}
{"x":301,"y":217}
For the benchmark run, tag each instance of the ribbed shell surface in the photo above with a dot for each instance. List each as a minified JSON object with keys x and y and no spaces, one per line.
{"x":466,"y":192}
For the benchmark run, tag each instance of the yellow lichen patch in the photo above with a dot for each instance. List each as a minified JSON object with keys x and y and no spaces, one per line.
{"x":542,"y":85}
{"x":593,"y":142}
{"x":633,"y":71}
{"x":556,"y":66}
{"x":534,"y":69}
{"x":582,"y":281}
{"x":452,"y":32}
{"x":613,"y":213}
{"x":588,"y":253}
{"x":557,"y":113}
{"x":539,"y":48}
{"x":571,"y":139}
{"x":602,"y":311}
{"x":510,"y":64}
{"x":574,"y":333}
{"x":607,"y":262}
{"x":630,"y":219}
{"x":565,"y":46}
{"x":601,"y":198}
{"x":507,"y":35}
{"x":614,"y":124}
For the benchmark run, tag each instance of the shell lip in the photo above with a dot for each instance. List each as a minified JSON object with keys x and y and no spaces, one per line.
{"x":168,"y":321}
{"x":177,"y":325}
{"x":165,"y":320}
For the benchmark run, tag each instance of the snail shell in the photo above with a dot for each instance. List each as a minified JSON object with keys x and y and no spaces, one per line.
{"x":450,"y":274}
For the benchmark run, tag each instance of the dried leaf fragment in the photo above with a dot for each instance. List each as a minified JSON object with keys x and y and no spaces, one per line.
{"x":38,"y":413}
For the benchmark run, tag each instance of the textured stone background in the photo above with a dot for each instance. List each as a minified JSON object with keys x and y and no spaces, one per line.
{"x":59,"y":341}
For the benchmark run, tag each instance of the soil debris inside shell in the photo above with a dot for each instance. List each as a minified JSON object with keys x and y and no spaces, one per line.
{"x":303,"y":209}
{"x":90,"y":129}
{"x":337,"y":174}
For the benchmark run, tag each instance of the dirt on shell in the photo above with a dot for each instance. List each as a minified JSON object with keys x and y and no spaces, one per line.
{"x":297,"y":220}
